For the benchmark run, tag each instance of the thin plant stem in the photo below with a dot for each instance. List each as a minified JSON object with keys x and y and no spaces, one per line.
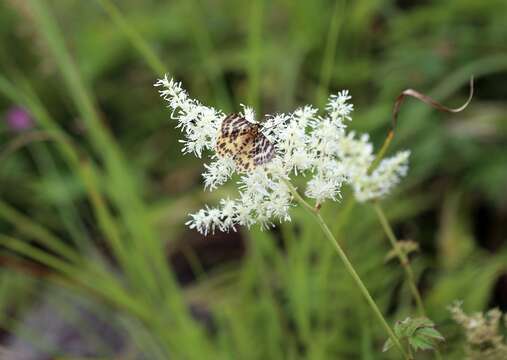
{"x":401,"y":256}
{"x":382,"y":151}
{"x":409,"y":349}
{"x":405,"y":263}
{"x":349,"y":267}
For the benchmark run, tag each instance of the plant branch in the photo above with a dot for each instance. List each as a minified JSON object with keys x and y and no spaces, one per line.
{"x":404,"y":261}
{"x":401,"y":256}
{"x":349,"y":267}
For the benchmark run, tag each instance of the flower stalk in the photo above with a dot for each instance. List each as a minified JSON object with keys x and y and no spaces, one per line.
{"x":405,"y":263}
{"x":302,"y":142}
{"x":349,"y":267}
{"x":403,"y":258}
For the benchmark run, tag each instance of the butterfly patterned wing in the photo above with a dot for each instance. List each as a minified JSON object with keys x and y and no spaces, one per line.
{"x":226,"y":146}
{"x":233,"y":131}
{"x":244,"y":156}
{"x":235,"y":125}
{"x":244,"y":142}
{"x":263,"y":150}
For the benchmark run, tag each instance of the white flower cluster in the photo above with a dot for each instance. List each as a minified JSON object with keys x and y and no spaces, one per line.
{"x":315,"y":146}
{"x":198,"y":123}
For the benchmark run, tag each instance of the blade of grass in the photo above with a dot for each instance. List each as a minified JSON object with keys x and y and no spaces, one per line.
{"x":84,"y":171}
{"x":74,"y":159}
{"x":45,"y":163}
{"x":26,"y":226}
{"x":329,"y":53}
{"x":32,"y":103}
{"x":123,"y":190}
{"x":39,"y":255}
{"x":91,"y":276}
{"x":23,"y":140}
{"x":37,"y":111}
{"x":109,"y":290}
{"x":121,"y":249}
{"x":121,"y":186}
{"x":67,"y":209}
{"x":207,"y":53}
{"x":134,"y":37}
{"x":255,"y":52}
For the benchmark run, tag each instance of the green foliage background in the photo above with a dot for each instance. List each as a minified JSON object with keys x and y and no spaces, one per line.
{"x":93,"y":200}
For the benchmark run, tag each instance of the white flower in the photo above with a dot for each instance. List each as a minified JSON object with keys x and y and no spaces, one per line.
{"x":380,"y":182}
{"x":321,"y":189}
{"x":338,"y":107}
{"x":199,"y":123}
{"x":205,"y":221}
{"x":317,"y":147}
{"x":248,"y":113}
{"x":228,"y":211}
{"x":218,"y":172}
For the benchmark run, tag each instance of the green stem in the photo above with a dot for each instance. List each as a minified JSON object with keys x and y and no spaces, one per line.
{"x":349,"y":267}
{"x":409,"y":349}
{"x":382,"y":151}
{"x":401,"y":256}
{"x":409,"y":273}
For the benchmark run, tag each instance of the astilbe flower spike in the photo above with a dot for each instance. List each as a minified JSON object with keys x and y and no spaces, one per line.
{"x":317,"y":147}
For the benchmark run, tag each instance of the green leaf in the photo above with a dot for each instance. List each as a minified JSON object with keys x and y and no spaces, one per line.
{"x":431,"y":333}
{"x":419,"y":332}
{"x":418,"y":343}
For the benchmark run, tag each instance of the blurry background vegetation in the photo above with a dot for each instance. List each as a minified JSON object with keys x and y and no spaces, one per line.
{"x":95,"y":192}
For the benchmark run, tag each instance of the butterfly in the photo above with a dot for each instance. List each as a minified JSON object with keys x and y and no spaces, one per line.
{"x":244,"y":142}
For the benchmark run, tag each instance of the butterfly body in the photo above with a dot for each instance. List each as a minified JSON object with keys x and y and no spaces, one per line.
{"x":244,"y":142}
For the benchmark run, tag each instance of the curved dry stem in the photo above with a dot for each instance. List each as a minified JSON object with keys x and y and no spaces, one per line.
{"x":425,"y":99}
{"x":428,"y":101}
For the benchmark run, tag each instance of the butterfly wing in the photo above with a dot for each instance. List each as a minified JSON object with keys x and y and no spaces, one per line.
{"x":235,"y":125}
{"x":244,"y":156}
{"x":263,"y":150}
{"x":234,"y":129}
{"x":255,"y":150}
{"x":244,"y":142}
{"x":226,"y":146}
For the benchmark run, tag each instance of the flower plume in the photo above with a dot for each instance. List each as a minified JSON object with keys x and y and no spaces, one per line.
{"x":316,"y":147}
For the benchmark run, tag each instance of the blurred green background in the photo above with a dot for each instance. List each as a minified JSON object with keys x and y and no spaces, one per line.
{"x":95,"y":258}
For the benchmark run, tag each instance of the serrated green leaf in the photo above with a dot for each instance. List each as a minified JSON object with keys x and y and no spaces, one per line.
{"x":418,"y":343}
{"x":411,"y":327}
{"x":398,"y":329}
{"x":419,"y":332}
{"x":431,"y":333}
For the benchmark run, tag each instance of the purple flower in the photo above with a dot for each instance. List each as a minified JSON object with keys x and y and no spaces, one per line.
{"x":18,"y":119}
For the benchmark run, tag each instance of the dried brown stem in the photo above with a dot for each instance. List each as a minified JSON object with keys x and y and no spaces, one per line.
{"x":428,"y":101}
